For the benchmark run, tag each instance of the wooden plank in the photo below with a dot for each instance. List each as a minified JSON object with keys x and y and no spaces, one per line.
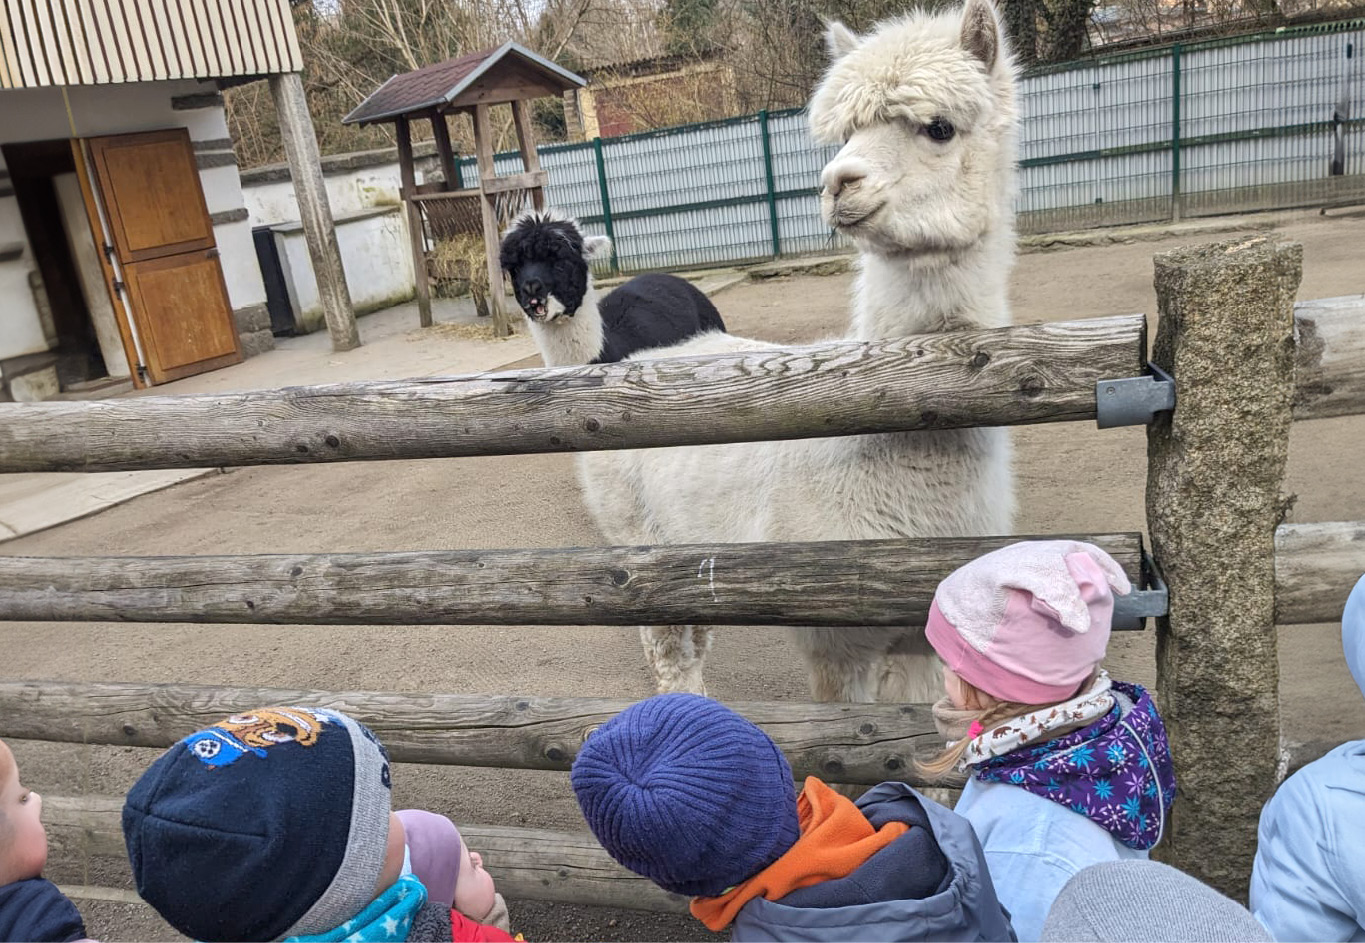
{"x":45,"y":56}
{"x":64,"y":56}
{"x":526,"y":144}
{"x":199,"y":48}
{"x":830,"y":583}
{"x":416,"y":237}
{"x":267,"y":12}
{"x":77,"y":14}
{"x":440,"y":131}
{"x":291,"y":36}
{"x":178,"y":60}
{"x":1329,"y":359}
{"x":526,"y":181}
{"x":483,"y":145}
{"x":10,"y":76}
{"x":107,"y":64}
{"x":526,"y":863}
{"x":853,"y":743}
{"x":1003,"y":376}
{"x":152,"y":39}
{"x":215,"y":38}
{"x":1316,"y":567}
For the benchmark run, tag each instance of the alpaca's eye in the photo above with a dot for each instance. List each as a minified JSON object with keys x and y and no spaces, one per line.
{"x":940,"y":129}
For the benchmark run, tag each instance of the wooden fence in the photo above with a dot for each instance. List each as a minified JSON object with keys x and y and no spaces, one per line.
{"x":1227,"y":333}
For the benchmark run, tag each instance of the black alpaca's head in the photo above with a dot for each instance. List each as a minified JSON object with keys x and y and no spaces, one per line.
{"x":547,"y":256}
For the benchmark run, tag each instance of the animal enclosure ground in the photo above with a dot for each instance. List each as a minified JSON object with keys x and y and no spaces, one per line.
{"x":1071,"y":477}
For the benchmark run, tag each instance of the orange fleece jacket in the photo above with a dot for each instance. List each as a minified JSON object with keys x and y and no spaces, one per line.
{"x":836,"y":838}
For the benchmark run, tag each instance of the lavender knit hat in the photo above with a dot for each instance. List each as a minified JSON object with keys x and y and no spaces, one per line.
{"x":1029,"y":622}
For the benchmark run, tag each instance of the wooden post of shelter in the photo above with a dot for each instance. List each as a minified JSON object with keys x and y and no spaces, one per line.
{"x":471,"y":84}
{"x":1215,"y":468}
{"x":416,"y":238}
{"x":310,"y":188}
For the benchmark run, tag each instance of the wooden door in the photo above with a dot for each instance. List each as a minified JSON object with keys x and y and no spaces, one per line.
{"x":163,"y":240}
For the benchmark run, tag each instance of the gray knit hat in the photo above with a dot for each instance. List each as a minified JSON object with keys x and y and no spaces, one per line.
{"x":1146,"y":902}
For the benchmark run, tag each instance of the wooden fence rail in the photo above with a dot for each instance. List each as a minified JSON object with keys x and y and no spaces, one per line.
{"x":1329,"y":357}
{"x":528,"y":864}
{"x":853,"y":743}
{"x":1005,"y":376}
{"x":849,"y":583}
{"x":828,"y":583}
{"x":1316,"y":567}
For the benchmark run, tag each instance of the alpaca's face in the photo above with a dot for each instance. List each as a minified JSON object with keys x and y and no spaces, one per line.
{"x":924,"y":109}
{"x":546,"y":257}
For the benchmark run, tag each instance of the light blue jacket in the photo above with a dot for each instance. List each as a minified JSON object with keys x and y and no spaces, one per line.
{"x":1308,"y":882}
{"x":1033,"y":846}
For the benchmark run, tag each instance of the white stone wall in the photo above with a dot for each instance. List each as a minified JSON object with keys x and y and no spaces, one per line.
{"x":374,"y":252}
{"x":371,"y":227}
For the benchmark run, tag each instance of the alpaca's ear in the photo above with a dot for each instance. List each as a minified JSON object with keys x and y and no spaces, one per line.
{"x":839,"y":39}
{"x":981,"y":31}
{"x":596,"y":247}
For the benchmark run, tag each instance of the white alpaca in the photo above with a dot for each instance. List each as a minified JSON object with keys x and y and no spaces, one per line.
{"x":924,"y":106}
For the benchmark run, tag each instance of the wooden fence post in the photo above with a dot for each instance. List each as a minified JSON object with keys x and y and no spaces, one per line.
{"x":319,"y":232}
{"x":1215,"y":467}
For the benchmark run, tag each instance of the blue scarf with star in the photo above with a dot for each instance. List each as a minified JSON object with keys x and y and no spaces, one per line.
{"x":387,"y":918}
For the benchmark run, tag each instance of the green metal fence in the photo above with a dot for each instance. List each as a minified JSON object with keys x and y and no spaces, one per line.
{"x":1270,"y":120}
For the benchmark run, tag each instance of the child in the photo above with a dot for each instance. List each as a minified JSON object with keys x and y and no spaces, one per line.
{"x":1308,"y":882}
{"x":687,"y":793}
{"x":276,"y":825}
{"x":1067,"y":769}
{"x":30,"y":907}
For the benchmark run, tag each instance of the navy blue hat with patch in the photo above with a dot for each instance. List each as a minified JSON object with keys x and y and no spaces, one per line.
{"x":268,"y":824}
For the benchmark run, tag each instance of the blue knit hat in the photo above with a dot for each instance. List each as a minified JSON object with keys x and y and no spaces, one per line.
{"x":268,"y":824}
{"x":682,"y":790}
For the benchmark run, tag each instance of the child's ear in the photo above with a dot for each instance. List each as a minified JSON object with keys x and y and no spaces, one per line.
{"x":596,"y":247}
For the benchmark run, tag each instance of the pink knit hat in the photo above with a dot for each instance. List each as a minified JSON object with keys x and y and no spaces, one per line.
{"x":1028,"y":622}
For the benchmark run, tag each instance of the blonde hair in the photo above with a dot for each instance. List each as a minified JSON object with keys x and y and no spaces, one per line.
{"x":950,"y":757}
{"x":994,"y":712}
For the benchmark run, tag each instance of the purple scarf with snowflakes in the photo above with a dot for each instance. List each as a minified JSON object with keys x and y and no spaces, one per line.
{"x":1116,"y":771}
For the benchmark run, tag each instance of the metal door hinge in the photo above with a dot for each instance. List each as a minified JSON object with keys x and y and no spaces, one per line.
{"x":1149,"y":600}
{"x":1134,"y":401}
{"x":119,"y":287}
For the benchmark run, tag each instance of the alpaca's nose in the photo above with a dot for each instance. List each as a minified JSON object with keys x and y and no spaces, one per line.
{"x":533,"y":287}
{"x":838,"y":178}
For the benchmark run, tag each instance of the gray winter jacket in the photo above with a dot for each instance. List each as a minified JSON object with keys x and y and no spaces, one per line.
{"x":929,"y":884}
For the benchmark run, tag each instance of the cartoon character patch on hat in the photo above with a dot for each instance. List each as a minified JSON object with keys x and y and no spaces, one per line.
{"x":229,"y":740}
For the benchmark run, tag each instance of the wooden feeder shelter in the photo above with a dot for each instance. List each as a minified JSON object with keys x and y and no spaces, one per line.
{"x":472,"y":84}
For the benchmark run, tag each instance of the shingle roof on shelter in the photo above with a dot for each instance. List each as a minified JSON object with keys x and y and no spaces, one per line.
{"x":438,"y":86}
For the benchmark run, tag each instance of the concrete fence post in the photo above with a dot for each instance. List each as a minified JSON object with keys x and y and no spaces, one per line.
{"x":1215,"y":468}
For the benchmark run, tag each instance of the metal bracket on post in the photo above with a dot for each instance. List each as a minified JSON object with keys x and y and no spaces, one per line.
{"x":1149,"y":600}
{"x":1134,"y":401}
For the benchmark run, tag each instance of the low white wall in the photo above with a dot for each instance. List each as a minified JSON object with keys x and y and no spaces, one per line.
{"x":363,"y":190}
{"x":374,"y":252}
{"x":40,"y":114}
{"x":348,"y":191}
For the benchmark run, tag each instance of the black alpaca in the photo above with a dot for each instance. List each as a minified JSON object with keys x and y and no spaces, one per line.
{"x":547,"y":257}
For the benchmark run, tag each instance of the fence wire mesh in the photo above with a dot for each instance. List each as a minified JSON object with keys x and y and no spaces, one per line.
{"x":1257,"y":122}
